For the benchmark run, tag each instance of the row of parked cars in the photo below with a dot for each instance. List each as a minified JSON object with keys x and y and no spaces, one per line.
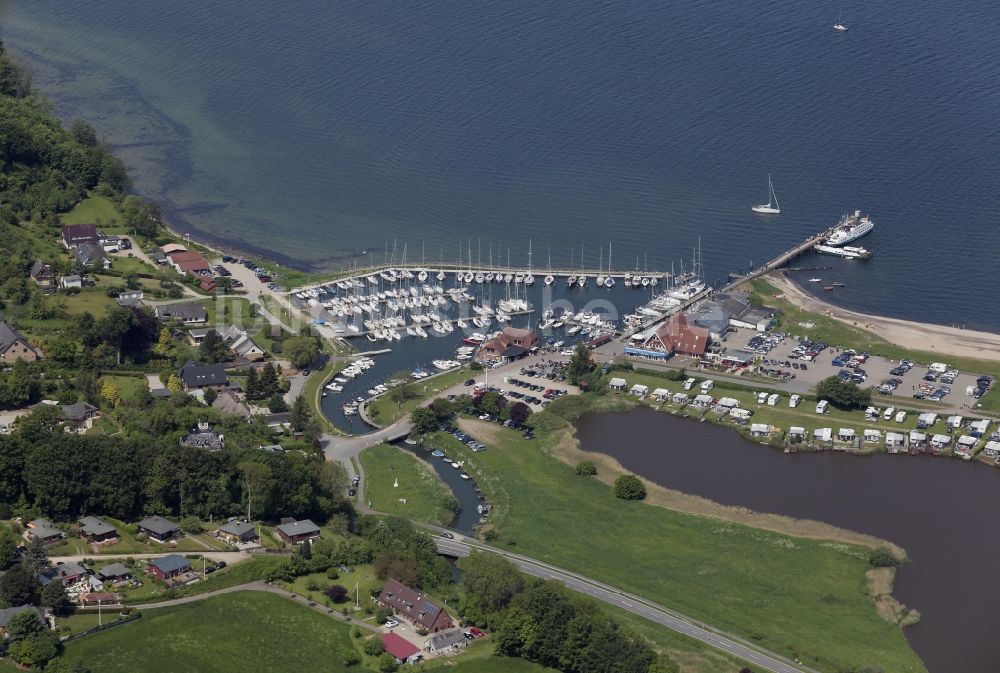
{"x":470,"y":442}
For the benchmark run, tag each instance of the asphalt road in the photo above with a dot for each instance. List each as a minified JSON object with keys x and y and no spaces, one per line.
{"x":636,"y":605}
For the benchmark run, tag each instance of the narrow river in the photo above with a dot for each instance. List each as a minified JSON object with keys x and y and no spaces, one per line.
{"x":940,"y":510}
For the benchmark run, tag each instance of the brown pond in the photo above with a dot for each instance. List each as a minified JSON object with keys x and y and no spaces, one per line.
{"x":942,"y":511}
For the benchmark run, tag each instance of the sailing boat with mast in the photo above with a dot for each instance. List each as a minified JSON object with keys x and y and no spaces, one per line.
{"x":840,"y":26}
{"x":549,"y":278}
{"x":771,"y":207}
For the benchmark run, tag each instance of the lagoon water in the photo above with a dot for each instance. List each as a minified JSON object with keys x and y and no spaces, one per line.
{"x":941,"y":510}
{"x":316,"y":131}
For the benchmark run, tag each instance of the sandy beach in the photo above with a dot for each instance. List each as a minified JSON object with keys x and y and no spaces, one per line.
{"x":917,"y":336}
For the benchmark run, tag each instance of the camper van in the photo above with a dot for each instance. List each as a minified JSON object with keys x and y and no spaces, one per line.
{"x":772,"y":399}
{"x":900,"y":416}
{"x":821,"y":406}
{"x":938,"y":367}
{"x":689,"y":384}
{"x":761,"y":398}
{"x":706,"y":386}
{"x":793,"y":401}
{"x":888,"y":413}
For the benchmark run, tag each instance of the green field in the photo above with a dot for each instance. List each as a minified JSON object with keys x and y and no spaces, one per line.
{"x":384,"y":411}
{"x":233,"y":633}
{"x":797,"y":597}
{"x":496,"y":665}
{"x":423,"y":492}
{"x":94,"y":209}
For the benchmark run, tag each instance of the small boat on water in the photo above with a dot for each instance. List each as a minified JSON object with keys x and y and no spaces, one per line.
{"x":437,"y":453}
{"x":465,"y":476}
{"x":828,"y":288}
{"x":815,"y":280}
{"x":771,"y":207}
{"x":838,"y":284}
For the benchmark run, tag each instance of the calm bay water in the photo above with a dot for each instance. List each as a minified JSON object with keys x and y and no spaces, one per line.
{"x":316,"y":131}
{"x":941,"y":511}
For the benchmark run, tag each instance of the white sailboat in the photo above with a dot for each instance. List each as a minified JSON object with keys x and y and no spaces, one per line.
{"x":771,"y":207}
{"x":840,"y":26}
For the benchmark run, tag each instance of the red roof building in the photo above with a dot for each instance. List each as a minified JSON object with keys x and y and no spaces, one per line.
{"x":682,"y":338}
{"x":188,"y":261}
{"x":399,"y":647}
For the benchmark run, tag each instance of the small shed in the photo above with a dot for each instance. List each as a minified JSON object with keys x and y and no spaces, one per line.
{"x":447,"y":641}
{"x":403,"y":650}
{"x":616,"y":384}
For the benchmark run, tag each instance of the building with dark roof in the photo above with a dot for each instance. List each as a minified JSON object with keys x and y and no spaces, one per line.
{"x":189,"y":312}
{"x":14,"y":347}
{"x":44,"y":531}
{"x":168,"y":566}
{"x":414,"y":606}
{"x":77,"y":234}
{"x":298,"y":531}
{"x":159,"y":529}
{"x":96,"y":529}
{"x":41,"y":272}
{"x":197,"y":377}
{"x":77,"y":415}
{"x":238,"y":532}
{"x":91,"y":255}
{"x":114,"y":572}
{"x":510,"y":344}
{"x":204,"y":437}
{"x":448,"y":641}
{"x":6,"y":614}
{"x":67,"y":573}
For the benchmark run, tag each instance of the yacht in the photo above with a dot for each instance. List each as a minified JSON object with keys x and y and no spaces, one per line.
{"x":850,"y":228}
{"x":609,"y":282}
{"x":840,"y":26}
{"x":549,"y":279}
{"x":771,"y":207}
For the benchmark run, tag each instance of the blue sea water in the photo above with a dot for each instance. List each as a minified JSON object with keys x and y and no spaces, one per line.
{"x":317,"y":131}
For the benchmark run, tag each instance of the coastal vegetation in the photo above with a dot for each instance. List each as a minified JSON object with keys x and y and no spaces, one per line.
{"x":843,"y":394}
{"x":397,"y":482}
{"x":765,"y":586}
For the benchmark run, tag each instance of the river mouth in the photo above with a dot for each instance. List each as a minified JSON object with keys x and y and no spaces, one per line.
{"x":939,"y":510}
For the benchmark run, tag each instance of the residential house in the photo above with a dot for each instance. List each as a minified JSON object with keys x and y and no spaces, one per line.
{"x":414,"y":606}
{"x":198,"y":334}
{"x":403,"y":650}
{"x":78,"y":417}
{"x":639,"y":390}
{"x":228,"y":403}
{"x":70,"y":282}
{"x":74,"y":235}
{"x":43,"y":530}
{"x":449,"y":641}
{"x":190,"y":312}
{"x":14,"y":347}
{"x":170,"y":566}
{"x":239,"y":532}
{"x":159,"y":529}
{"x":188,"y":262}
{"x":115,"y":572}
{"x":67,"y":573}
{"x":97,"y":530}
{"x":199,"y":377}
{"x":617,"y":384}
{"x":678,"y":336}
{"x":204,"y":437}
{"x":6,"y":614}
{"x":110,"y":242}
{"x":297,"y":532}
{"x":41,"y":272}
{"x":512,"y":343}
{"x":130,"y":298}
{"x":91,"y":255}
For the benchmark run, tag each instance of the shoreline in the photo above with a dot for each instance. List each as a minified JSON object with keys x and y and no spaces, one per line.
{"x":930,"y":337}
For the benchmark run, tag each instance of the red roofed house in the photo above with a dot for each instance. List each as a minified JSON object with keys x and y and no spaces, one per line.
{"x":413,"y":605}
{"x":511,"y":344}
{"x":677,"y":336}
{"x":404,"y":651}
{"x":187,"y":261}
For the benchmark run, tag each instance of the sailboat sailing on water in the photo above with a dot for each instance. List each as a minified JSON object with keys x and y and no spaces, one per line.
{"x":771,"y":207}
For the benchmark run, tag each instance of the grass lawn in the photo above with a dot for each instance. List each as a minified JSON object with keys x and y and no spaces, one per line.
{"x":94,"y":209}
{"x":491,"y":664}
{"x":384,"y":411}
{"x":794,"y":596}
{"x":361,"y":579}
{"x":81,"y":621}
{"x":386,"y":465}
{"x":129,"y":387}
{"x":225,"y":634}
{"x":232,"y":575}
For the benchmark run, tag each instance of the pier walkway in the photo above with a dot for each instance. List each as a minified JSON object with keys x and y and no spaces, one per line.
{"x":779,"y":261}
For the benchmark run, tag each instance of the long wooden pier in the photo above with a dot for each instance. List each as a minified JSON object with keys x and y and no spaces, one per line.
{"x":778,"y":262}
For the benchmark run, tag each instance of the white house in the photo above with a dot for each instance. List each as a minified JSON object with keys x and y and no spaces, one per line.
{"x":662,"y":394}
{"x":639,"y":390}
{"x":823,"y":434}
{"x":873,"y":436}
{"x":616,"y":384}
{"x":894,"y":441}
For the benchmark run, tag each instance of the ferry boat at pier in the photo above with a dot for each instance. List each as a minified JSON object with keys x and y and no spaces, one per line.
{"x":847,"y":252}
{"x":850,"y":228}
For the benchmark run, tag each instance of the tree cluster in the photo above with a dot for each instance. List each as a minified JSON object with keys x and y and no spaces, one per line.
{"x":541,"y":621}
{"x":264,"y":385}
{"x":843,"y":394}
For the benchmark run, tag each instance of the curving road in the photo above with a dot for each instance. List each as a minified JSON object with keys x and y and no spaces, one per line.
{"x":637,"y":605}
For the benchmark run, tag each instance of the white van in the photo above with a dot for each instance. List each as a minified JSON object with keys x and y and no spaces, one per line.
{"x":900,"y":416}
{"x":772,"y":399}
{"x":706,"y":386}
{"x":689,"y":384}
{"x":793,"y":401}
{"x":888,"y":413}
{"x":821,"y":406}
{"x":938,"y":367}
